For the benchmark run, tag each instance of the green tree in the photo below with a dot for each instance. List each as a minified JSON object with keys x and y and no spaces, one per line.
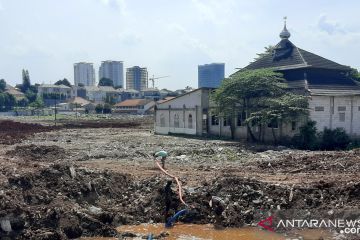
{"x":106,"y":82}
{"x":7,"y":102}
{"x":107,"y":108}
{"x":269,"y":49}
{"x":63,"y":82}
{"x":22,"y":102}
{"x":354,"y":74}
{"x":99,"y":108}
{"x":263,"y":98}
{"x":26,"y":81}
{"x":38,"y":103}
{"x":2,"y":85}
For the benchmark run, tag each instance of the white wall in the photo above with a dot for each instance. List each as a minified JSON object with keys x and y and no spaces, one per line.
{"x":331,"y":119}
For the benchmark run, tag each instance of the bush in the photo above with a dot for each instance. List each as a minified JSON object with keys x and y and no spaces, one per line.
{"x":355,"y":143}
{"x":307,"y":138}
{"x":99,"y":108}
{"x":336,"y":139}
{"x":107,"y":108}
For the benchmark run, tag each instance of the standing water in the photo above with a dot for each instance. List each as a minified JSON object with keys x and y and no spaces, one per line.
{"x":207,"y":232}
{"x":195,"y":231}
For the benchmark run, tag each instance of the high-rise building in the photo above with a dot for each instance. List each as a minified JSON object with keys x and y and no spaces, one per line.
{"x":136,"y":78}
{"x":113,"y":70}
{"x":84,"y":73}
{"x":211,"y":75}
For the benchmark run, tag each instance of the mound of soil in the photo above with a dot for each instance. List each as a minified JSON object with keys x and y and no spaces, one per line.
{"x":14,"y":132}
{"x":348,"y":162}
{"x":65,"y":202}
{"x":38,"y":153}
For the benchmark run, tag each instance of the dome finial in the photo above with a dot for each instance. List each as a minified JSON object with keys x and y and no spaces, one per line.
{"x":285,"y":34}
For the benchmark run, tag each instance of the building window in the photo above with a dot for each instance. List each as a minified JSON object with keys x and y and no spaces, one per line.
{"x":214,"y":120}
{"x":341,"y":109}
{"x":273,"y":124}
{"x":319,"y":109}
{"x":359,"y":108}
{"x":162,"y":120}
{"x":293,"y":126}
{"x":240,"y":118}
{"x":176,"y":121}
{"x":227,"y":121}
{"x":342,"y":117}
{"x":190,"y":121}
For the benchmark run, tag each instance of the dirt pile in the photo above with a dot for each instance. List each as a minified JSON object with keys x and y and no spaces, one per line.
{"x":38,"y":152}
{"x":64,"y":201}
{"x":58,"y":203}
{"x":245,"y":198}
{"x":13,"y":132}
{"x":345,"y":162}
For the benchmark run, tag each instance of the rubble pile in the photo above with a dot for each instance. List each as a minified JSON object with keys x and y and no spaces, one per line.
{"x":66,"y":201}
{"x":58,"y":203}
{"x":87,"y":181}
{"x":38,"y":153}
{"x":14,"y":132}
{"x":336,"y":161}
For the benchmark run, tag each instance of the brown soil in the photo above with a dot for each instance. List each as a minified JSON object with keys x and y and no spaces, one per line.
{"x":38,"y":153}
{"x":14,"y":132}
{"x":86,"y":181}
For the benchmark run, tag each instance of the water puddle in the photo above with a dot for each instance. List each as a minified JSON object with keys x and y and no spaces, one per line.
{"x":201,"y":232}
{"x":207,"y":232}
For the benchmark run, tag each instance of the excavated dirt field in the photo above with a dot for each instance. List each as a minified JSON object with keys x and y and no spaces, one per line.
{"x":84,"y":180}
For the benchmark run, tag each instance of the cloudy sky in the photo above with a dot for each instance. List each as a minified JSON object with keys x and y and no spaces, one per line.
{"x":169,"y":37}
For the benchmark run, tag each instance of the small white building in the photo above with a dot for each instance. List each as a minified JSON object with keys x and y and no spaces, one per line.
{"x":102,"y":94}
{"x":185,"y":114}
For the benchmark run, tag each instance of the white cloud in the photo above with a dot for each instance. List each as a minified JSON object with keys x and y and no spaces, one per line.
{"x":186,"y":39}
{"x":213,"y":10}
{"x":130,"y":39}
{"x":117,"y":5}
{"x":329,"y":26}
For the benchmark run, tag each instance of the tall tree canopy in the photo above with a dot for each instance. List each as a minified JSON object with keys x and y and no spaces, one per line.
{"x":106,"y":82}
{"x":354,"y":74}
{"x":262,"y":95}
{"x":268,"y":49}
{"x":63,"y":82}
{"x":26,"y":81}
{"x":2,"y":85}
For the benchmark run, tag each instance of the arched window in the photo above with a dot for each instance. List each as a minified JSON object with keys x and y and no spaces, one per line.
{"x":176,"y":121}
{"x":162,"y":120}
{"x":190,"y":121}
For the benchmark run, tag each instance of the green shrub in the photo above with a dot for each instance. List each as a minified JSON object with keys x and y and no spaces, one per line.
{"x":99,"y":108}
{"x":336,"y":139}
{"x":107,"y":108}
{"x":307,"y":138}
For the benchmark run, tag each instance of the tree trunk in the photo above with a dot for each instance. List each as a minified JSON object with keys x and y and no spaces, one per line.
{"x":274,"y":135}
{"x":232,"y":128}
{"x":253,"y":138}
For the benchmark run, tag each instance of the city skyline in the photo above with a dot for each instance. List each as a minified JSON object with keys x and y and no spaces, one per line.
{"x":159,"y":36}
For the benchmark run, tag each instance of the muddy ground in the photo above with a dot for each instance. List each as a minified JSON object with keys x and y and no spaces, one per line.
{"x":85,"y":179}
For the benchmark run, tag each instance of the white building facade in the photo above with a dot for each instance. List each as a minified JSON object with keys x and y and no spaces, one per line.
{"x":113,"y":70}
{"x":136,"y":78}
{"x":185,"y":114}
{"x":84,"y":73}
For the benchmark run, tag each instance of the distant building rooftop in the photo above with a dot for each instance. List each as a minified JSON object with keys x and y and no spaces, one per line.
{"x":133,"y":103}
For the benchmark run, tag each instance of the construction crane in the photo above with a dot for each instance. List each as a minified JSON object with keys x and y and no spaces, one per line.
{"x":152,"y":79}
